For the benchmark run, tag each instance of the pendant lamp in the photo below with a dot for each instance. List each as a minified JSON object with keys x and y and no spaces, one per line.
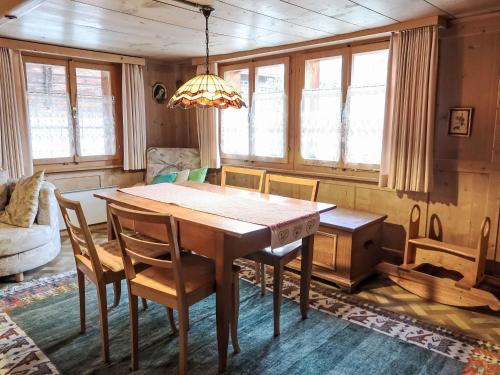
{"x":206,"y":90}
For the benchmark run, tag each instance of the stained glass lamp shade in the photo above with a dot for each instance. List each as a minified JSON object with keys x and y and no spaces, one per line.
{"x":206,"y":90}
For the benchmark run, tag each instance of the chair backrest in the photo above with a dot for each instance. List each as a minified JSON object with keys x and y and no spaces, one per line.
{"x":132,"y":247}
{"x":79,"y":232}
{"x":293,"y":181}
{"x":260,"y":173}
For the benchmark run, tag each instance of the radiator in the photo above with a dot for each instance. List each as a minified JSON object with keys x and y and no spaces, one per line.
{"x":93,"y":208}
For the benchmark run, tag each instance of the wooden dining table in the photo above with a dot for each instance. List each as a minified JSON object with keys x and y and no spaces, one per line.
{"x":223,"y":240}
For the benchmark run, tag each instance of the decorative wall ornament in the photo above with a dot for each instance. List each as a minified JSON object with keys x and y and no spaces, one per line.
{"x":160,"y":92}
{"x":460,"y":121}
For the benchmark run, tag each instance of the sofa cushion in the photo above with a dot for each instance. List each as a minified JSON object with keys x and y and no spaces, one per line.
{"x":14,"y":240}
{"x":23,"y":203}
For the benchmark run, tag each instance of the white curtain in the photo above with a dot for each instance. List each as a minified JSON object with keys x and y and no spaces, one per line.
{"x":208,"y":129}
{"x":267,"y":123}
{"x":320,"y":124}
{"x":134,"y":117}
{"x":407,"y":151}
{"x":15,"y":147}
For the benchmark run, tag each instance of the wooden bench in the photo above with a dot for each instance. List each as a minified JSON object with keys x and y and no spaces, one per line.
{"x":346,"y":247}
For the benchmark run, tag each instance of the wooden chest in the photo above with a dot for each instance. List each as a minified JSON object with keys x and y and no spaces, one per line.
{"x":346,"y":247}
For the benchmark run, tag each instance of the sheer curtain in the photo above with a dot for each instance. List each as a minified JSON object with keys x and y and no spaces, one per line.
{"x":96,"y":121}
{"x":267,"y":122}
{"x":321,"y":124}
{"x":208,"y":129}
{"x":134,"y":117}
{"x":15,"y":151}
{"x":364,"y":119}
{"x":407,"y":156}
{"x":49,"y":110}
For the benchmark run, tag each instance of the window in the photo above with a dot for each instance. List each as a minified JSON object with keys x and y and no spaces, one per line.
{"x":71,"y":109}
{"x":342,"y":108}
{"x":258,"y":132}
{"x":365,"y":108}
{"x":321,"y":109}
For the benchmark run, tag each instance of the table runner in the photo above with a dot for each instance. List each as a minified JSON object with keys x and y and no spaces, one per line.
{"x":287,"y":223}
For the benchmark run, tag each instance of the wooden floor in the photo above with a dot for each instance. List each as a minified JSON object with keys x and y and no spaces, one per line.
{"x":481,"y":323}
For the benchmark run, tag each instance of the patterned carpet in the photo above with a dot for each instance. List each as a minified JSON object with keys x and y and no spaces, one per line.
{"x":55,"y":297}
{"x":464,"y":334}
{"x":483,"y":324}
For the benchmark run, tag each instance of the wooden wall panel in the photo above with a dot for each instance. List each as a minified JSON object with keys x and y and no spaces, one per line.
{"x":82,"y":180}
{"x":168,"y":127}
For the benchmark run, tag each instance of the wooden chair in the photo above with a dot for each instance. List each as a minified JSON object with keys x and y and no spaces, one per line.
{"x":278,"y":258}
{"x":260,"y":173}
{"x":469,"y":262}
{"x":101,"y":263}
{"x":176,"y":283}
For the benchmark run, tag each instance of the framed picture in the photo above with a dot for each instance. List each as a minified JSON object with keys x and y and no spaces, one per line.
{"x":460,"y":121}
{"x":160,"y":93}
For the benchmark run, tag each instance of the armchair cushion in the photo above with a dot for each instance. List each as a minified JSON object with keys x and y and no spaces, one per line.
{"x":15,"y":240}
{"x":23,"y":205}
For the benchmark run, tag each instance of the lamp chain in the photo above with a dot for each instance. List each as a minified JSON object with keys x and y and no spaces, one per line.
{"x":206,"y":12}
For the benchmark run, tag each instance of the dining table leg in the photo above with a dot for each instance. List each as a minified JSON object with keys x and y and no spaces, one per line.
{"x":223,"y":282}
{"x":305,"y":273}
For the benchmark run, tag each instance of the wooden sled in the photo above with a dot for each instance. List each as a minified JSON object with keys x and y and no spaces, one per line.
{"x":469,"y":262}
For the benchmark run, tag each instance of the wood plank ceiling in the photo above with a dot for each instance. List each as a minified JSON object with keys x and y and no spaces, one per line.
{"x":167,"y":29}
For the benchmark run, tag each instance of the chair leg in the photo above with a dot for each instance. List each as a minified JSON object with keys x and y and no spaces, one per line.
{"x":144,"y":303}
{"x":257,"y":272}
{"x":81,"y":295}
{"x":170,"y":313}
{"x":134,"y":332}
{"x":277,"y":296}
{"x":117,"y":287}
{"x":103,"y":316}
{"x":235,"y":313}
{"x":262,"y":279}
{"x":183,"y":328}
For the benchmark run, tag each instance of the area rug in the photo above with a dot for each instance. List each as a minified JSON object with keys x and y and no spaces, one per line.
{"x":343,"y":336}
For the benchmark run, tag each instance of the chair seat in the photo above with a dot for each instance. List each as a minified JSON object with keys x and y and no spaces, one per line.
{"x":111,"y":258}
{"x":281,"y":252}
{"x":198,"y":272}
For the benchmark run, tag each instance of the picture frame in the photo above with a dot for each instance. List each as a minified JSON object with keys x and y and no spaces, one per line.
{"x":460,"y":121}
{"x":160,"y":92}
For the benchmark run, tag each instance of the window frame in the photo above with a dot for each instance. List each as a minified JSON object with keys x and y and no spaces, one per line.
{"x":252,"y":66}
{"x":70,"y":66}
{"x":347,"y":54}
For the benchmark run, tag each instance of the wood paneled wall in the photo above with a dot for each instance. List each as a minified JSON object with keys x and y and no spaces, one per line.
{"x":168,"y":127}
{"x":467,"y":170}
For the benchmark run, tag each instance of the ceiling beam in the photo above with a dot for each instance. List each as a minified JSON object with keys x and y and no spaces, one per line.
{"x":76,"y":53}
{"x":328,"y":41}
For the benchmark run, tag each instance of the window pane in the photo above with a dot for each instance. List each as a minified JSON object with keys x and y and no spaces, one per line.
{"x":96,"y":123}
{"x":268,"y":112}
{"x":234,"y":122}
{"x":49,"y":111}
{"x":321,"y":111}
{"x":366,"y":108}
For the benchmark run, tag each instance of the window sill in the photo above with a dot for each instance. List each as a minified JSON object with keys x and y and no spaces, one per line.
{"x":73,"y":167}
{"x":351,"y":175}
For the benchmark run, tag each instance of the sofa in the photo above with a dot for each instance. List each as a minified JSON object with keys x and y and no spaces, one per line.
{"x":166,"y":160}
{"x":23,"y":249}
